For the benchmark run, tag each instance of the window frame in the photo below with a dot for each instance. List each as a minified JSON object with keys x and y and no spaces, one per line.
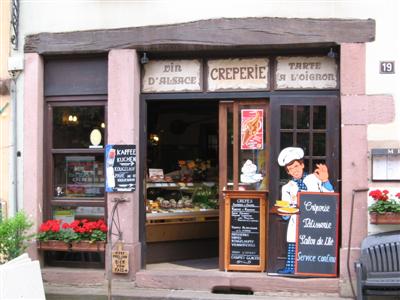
{"x":49,"y":153}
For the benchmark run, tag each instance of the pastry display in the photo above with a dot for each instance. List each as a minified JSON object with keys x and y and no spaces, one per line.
{"x":164,"y":195}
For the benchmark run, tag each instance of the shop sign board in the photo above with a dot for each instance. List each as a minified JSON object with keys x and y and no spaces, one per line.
{"x":252,"y":129}
{"x":120,"y":161}
{"x":238,"y":74}
{"x":244,"y":231}
{"x":317,"y":234}
{"x":120,"y":260}
{"x":300,"y":72}
{"x":172,"y":76}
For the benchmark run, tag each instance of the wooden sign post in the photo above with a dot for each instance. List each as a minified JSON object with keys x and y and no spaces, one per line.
{"x":317,"y":234}
{"x":245,"y":228}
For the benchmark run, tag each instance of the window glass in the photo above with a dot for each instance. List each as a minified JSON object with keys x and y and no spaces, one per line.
{"x":303,"y":117}
{"x":307,"y":168}
{"x":78,"y":127}
{"x":77,"y":176}
{"x":303,"y":141}
{"x":319,"y":117}
{"x":286,"y":140}
{"x":287,"y":117}
{"x":70,"y":213}
{"x":319,"y":144}
{"x":252,"y":165}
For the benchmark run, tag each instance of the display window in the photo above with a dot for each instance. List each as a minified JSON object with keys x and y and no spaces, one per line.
{"x":76,"y":137}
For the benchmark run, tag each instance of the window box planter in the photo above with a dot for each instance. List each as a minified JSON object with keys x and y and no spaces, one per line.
{"x":385,"y":218}
{"x":82,"y":246}
{"x":53,"y":246}
{"x":86,"y":246}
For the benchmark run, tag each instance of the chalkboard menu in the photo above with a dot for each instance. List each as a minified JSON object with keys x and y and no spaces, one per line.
{"x":120,"y":164}
{"x":317,"y":234}
{"x":245,"y":230}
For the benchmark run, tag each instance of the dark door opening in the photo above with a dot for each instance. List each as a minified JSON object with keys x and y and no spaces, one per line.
{"x":181,"y":195}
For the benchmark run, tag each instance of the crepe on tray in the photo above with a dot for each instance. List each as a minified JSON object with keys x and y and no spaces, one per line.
{"x":288,"y":210}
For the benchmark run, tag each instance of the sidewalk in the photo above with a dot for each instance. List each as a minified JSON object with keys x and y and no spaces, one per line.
{"x":122,"y":290}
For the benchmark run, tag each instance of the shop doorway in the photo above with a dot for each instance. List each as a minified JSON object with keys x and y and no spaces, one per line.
{"x":181,"y":195}
{"x":195,"y":150}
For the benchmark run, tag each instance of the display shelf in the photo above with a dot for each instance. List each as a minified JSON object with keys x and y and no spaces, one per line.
{"x":181,"y":185}
{"x":177,"y":226}
{"x":179,"y":215}
{"x":170,"y":225}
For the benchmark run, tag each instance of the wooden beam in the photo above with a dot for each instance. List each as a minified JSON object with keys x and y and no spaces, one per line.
{"x":214,"y":34}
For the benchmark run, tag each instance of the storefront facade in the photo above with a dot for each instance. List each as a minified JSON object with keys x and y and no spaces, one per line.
{"x":115,"y":89}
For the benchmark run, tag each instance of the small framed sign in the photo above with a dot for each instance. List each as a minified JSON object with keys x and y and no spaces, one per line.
{"x":120,"y":260}
{"x":245,"y":226}
{"x":385,"y":164}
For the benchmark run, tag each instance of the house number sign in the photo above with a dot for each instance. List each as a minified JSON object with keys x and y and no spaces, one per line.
{"x":386,"y":67}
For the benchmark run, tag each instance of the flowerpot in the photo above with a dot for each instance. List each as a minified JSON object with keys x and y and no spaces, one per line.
{"x":53,"y":246}
{"x":385,"y":218}
{"x":86,"y":246}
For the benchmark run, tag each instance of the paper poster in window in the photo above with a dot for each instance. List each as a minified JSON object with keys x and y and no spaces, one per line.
{"x":252,"y":129}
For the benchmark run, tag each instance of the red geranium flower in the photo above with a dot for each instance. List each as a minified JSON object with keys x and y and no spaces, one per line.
{"x":379,"y":195}
{"x":75,"y":231}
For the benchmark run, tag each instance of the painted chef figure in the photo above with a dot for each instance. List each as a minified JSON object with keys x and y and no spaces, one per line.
{"x":292,"y":159}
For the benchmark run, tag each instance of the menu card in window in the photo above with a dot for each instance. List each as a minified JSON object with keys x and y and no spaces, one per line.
{"x":80,"y":176}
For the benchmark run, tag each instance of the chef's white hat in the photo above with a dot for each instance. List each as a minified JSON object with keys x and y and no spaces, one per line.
{"x":289,"y":154}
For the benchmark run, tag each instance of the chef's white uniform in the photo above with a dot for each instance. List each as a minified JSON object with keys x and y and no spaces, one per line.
{"x":289,"y":193}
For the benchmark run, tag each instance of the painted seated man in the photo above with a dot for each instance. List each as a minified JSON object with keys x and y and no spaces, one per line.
{"x":292,"y":159}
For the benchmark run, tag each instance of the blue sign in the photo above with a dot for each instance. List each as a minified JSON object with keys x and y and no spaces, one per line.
{"x":120,"y":167}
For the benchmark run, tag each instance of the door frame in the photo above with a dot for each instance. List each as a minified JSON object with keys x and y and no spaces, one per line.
{"x":223,"y":96}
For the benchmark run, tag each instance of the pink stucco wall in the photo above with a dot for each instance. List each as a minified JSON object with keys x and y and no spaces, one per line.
{"x":33,"y":142}
{"x":357,"y":111}
{"x":123,"y":128}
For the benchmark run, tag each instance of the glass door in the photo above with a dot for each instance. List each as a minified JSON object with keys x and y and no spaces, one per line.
{"x":244,"y":150}
{"x":244,"y":145}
